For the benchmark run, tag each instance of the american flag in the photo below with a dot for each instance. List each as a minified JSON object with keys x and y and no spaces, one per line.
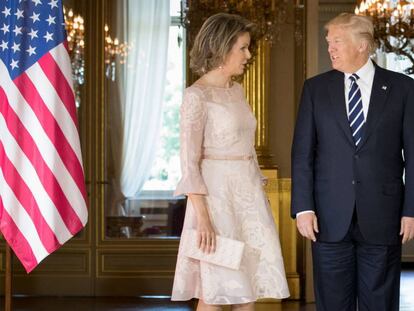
{"x":42,"y":189}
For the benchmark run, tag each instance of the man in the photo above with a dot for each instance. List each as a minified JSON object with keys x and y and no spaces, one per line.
{"x":353,"y":139}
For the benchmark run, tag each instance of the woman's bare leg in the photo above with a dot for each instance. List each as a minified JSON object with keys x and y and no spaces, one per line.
{"x":202,"y":306}
{"x":243,"y":307}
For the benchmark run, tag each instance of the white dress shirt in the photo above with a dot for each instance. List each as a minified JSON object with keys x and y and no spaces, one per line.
{"x":366,"y":79}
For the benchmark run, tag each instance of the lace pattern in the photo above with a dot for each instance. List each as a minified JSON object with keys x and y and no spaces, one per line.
{"x":219,"y":122}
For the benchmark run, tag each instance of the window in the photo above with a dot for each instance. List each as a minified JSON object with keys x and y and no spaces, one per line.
{"x":392,"y":61}
{"x":155,"y":213}
{"x":165,"y":171}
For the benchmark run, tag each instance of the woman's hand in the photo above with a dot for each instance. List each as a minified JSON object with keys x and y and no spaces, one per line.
{"x":206,"y":237}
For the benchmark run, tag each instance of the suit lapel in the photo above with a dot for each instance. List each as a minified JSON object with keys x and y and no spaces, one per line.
{"x":379,"y":93}
{"x":337,"y":96}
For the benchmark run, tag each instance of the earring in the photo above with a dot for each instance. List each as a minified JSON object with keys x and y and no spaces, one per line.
{"x":220,"y":67}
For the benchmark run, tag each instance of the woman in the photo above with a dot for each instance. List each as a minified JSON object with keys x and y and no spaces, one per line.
{"x":221,"y":177}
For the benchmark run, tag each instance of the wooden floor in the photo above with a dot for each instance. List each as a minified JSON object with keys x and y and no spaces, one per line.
{"x":126,"y":304}
{"x":135,"y":304}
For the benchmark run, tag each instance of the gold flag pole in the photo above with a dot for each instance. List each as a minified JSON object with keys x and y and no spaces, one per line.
{"x":8,"y":280}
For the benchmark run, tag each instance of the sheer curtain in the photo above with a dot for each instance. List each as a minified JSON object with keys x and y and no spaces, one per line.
{"x":135,"y":118}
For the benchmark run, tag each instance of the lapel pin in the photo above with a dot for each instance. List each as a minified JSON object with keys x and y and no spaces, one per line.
{"x":384,"y":87}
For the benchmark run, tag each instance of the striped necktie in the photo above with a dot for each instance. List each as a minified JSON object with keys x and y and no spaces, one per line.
{"x":356,"y":114}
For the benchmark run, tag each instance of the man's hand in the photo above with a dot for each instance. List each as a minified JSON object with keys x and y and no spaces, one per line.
{"x":307,"y":224}
{"x":407,"y":228}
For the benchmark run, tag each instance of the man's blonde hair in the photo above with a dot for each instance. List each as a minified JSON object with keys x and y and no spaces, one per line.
{"x":361,"y":27}
{"x":215,"y":39}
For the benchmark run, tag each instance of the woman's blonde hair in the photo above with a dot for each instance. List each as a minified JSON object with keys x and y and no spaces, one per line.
{"x":215,"y":39}
{"x":361,"y":27}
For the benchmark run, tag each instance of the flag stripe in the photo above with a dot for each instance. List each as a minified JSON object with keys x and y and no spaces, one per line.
{"x":52,"y":103}
{"x":59,"y":82}
{"x":21,"y":219}
{"x":29,"y":175}
{"x":61,"y":57}
{"x":27,"y":201}
{"x":52,"y":129}
{"x":48,"y":179}
{"x":29,"y":120}
{"x":16,"y":239}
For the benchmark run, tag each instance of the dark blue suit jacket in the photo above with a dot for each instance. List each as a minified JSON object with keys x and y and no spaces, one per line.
{"x":333,"y":177}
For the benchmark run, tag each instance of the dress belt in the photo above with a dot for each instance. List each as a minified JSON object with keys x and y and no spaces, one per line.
{"x":234,"y":158}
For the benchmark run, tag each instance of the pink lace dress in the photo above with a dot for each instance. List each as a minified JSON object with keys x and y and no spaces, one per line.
{"x":218,"y":122}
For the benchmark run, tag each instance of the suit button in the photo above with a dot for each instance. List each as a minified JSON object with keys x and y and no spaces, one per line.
{"x":353,"y":182}
{"x":356,"y":156}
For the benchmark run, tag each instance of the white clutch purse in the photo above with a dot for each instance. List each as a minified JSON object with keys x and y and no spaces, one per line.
{"x":228,"y":252}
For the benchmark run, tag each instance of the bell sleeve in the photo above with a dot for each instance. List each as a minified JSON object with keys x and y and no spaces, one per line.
{"x":192,"y":123}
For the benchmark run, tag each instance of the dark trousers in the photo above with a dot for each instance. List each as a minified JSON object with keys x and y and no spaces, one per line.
{"x":355,"y":275}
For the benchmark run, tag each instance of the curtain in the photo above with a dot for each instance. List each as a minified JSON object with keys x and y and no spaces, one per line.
{"x":135,"y":118}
